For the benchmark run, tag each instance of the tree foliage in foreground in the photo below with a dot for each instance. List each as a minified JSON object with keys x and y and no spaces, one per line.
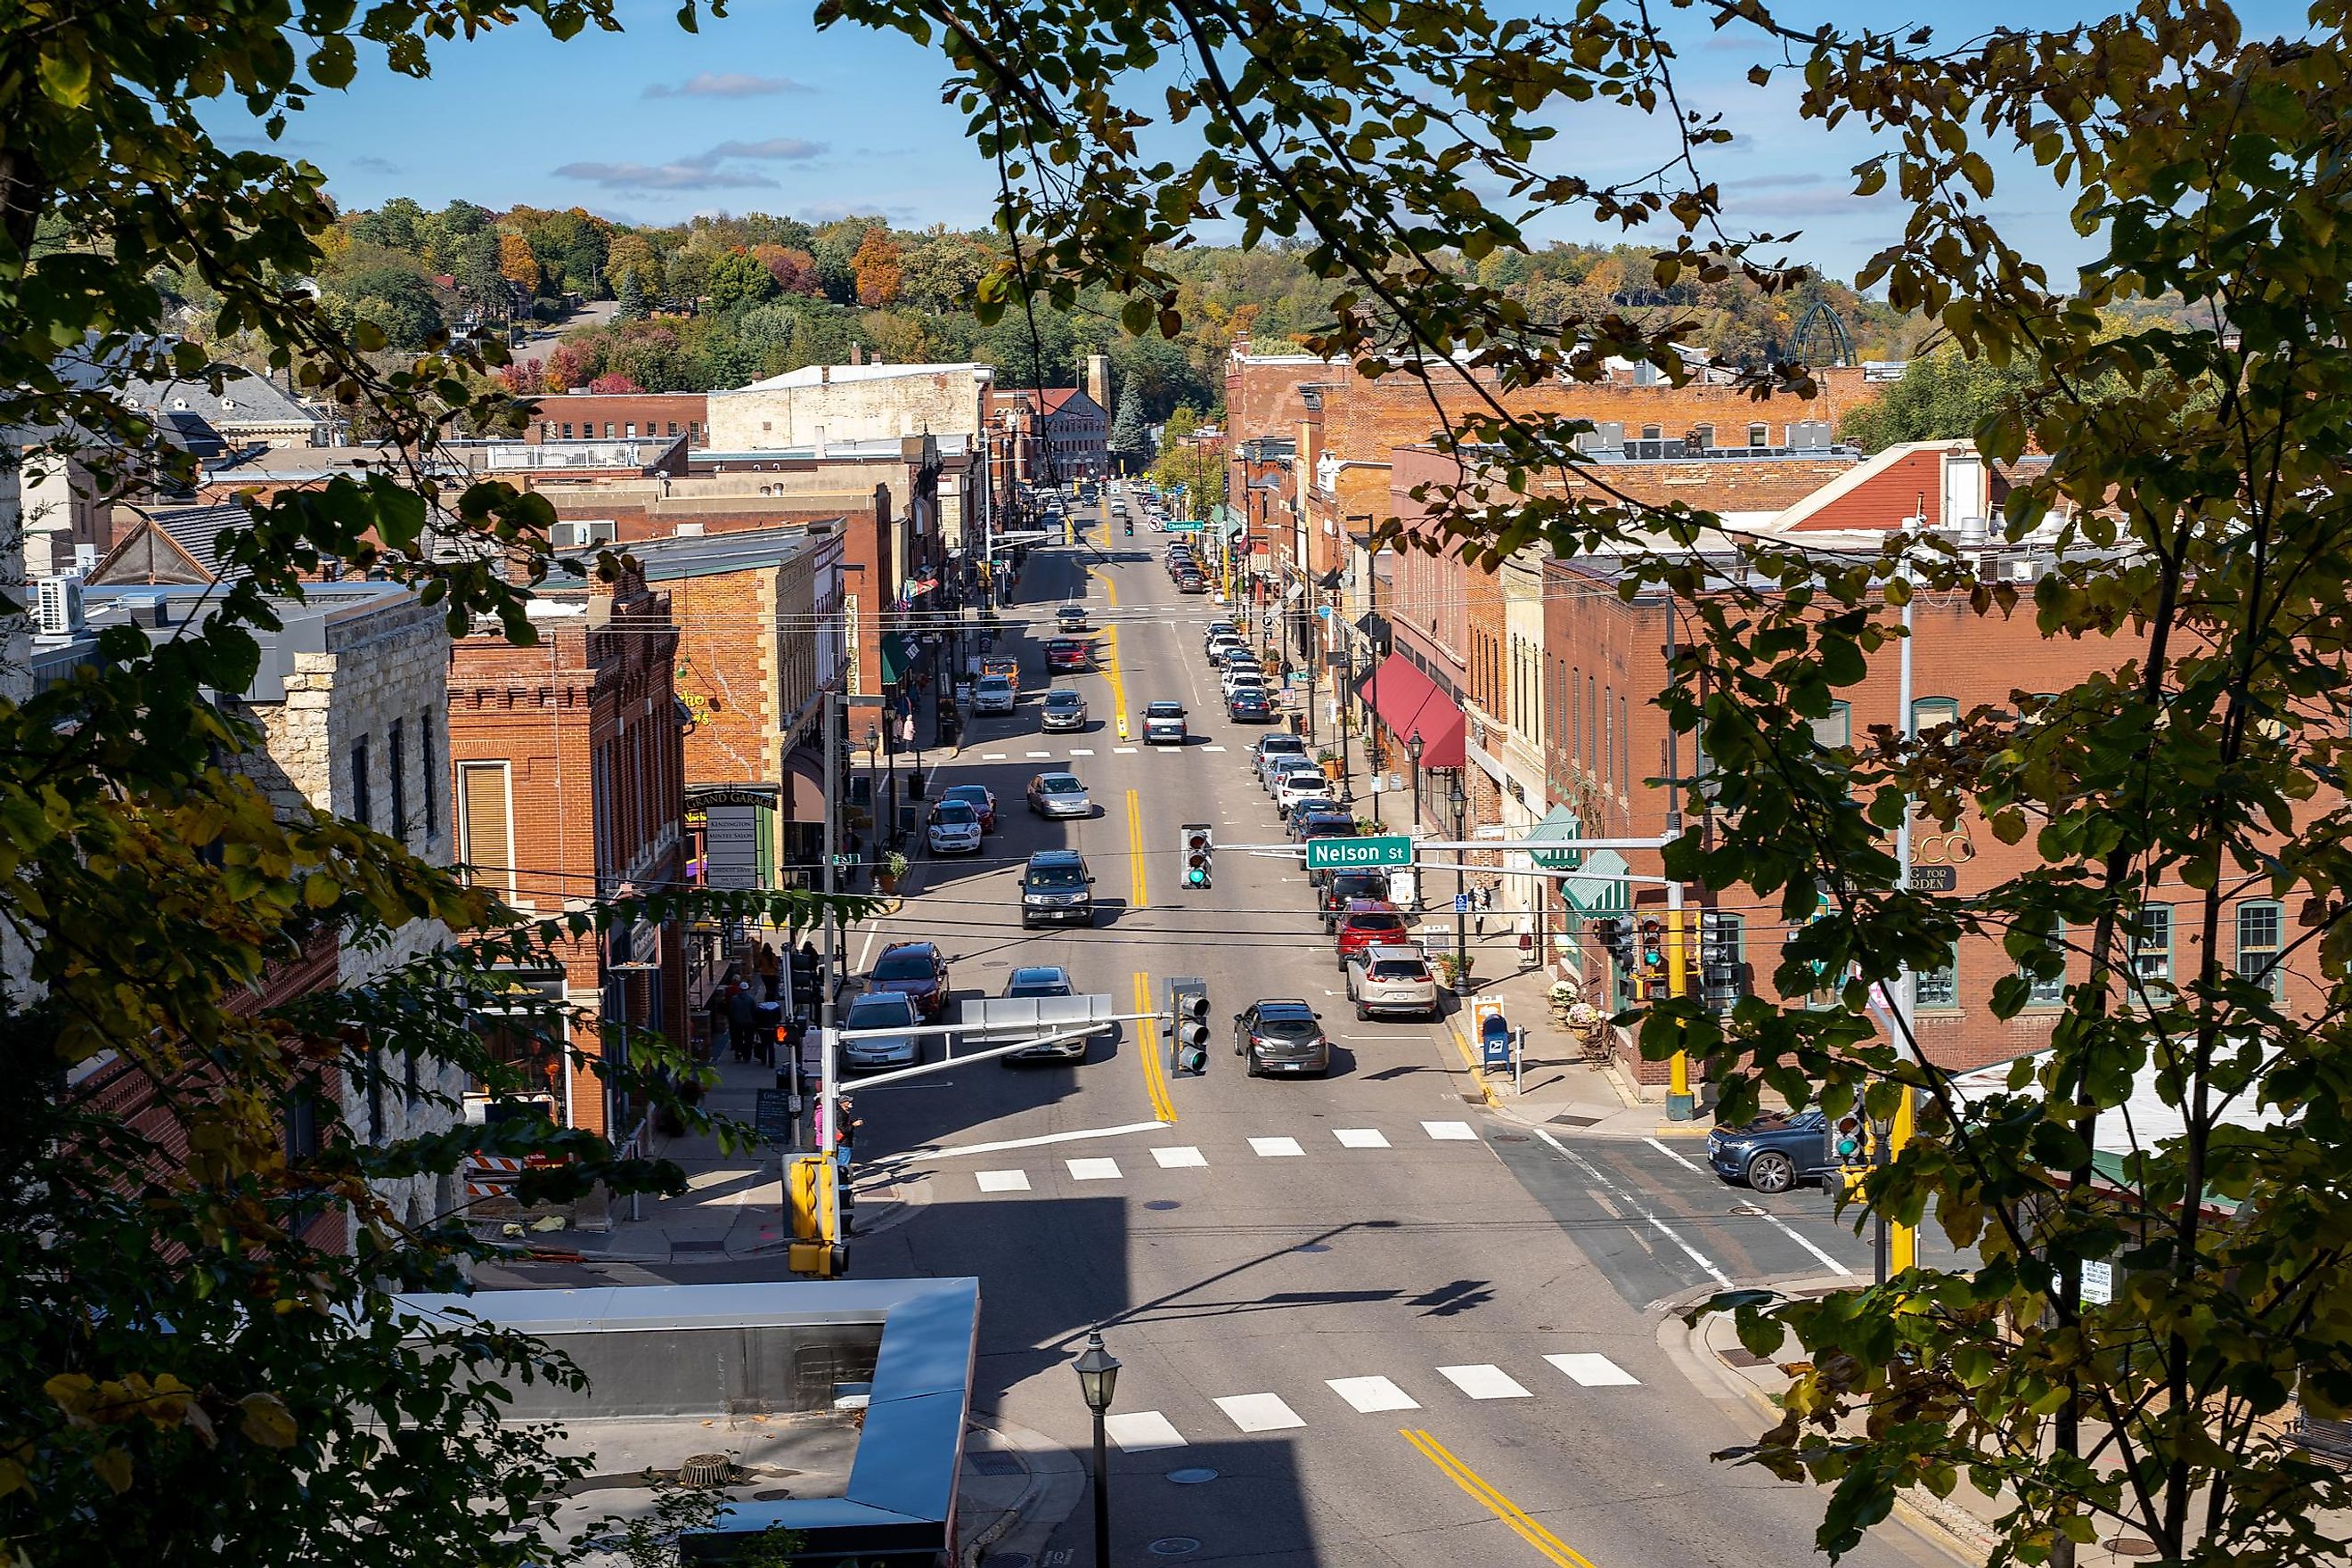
{"x":2200,"y":458}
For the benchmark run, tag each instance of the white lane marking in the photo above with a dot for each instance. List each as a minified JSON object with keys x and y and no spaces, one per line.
{"x":865,"y":949}
{"x":1360,"y":1137}
{"x":1484,"y":1381}
{"x":991,"y":756}
{"x":1183,"y":1156}
{"x":1581,"y":1164}
{"x":1081,"y":752}
{"x":1136,"y":1431}
{"x":1002,"y":1180}
{"x":1371,"y":1395}
{"x":1040,"y":755}
{"x":1093,"y":1170}
{"x":1259,"y":1411}
{"x":1450,"y":1132}
{"x":1594,"y":1372}
{"x":1277,"y":1148}
{"x":1212,"y":748}
{"x":1122,"y":751}
{"x":910,"y":1155}
{"x":1771,"y":1219}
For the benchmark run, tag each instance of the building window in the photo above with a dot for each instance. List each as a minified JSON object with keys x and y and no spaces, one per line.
{"x":432,"y":774}
{"x":1653,"y":432}
{"x":1624,"y":752}
{"x":2262,"y":943}
{"x":485,"y":837}
{"x":361,"y":813}
{"x":1575,"y":718}
{"x":1759,"y":436}
{"x":1937,"y":990}
{"x":396,"y":758}
{"x":546,"y":428}
{"x":2048,"y":991}
{"x":1608,"y":743}
{"x":1933,"y":712}
{"x":1834,"y":729}
{"x":1702,"y":437}
{"x":630,"y":430}
{"x":567,"y":429}
{"x":694,"y":429}
{"x":2151,"y":943}
{"x":673,"y":426}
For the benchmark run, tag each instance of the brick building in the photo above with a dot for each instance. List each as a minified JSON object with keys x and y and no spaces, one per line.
{"x":569,"y":781}
{"x":824,"y":403}
{"x":621,"y":416}
{"x":1066,"y":433}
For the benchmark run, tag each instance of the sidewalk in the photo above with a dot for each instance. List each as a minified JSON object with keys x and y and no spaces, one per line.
{"x":1015,"y":1491}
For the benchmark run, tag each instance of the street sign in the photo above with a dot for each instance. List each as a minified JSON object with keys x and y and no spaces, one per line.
{"x":1461,"y":903}
{"x":1349,"y":854}
{"x":845,"y":861}
{"x":1176,"y":525}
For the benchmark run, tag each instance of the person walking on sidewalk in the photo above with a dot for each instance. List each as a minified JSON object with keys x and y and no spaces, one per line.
{"x":742,"y":1019}
{"x":764,"y":965}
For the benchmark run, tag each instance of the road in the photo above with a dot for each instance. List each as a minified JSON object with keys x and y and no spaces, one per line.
{"x":1362,"y":1320}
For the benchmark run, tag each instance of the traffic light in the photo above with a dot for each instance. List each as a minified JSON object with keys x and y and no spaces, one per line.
{"x":1615,"y":936}
{"x":1654,"y":961}
{"x":1200,"y":849}
{"x":1188,"y":1007}
{"x":811,"y":1195}
{"x":1723,"y":976}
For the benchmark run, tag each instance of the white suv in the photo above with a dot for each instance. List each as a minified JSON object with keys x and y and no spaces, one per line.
{"x":1392,"y":979}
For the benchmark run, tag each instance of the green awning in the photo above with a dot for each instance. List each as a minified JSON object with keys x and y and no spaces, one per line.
{"x":895,"y":658}
{"x":1558,"y":822}
{"x":1598,"y":888}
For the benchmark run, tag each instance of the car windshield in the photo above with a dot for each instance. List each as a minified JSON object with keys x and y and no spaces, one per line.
{"x":975,"y":794}
{"x":905,"y":965}
{"x":1376,"y":919}
{"x":1062,"y":699}
{"x":994,"y":683}
{"x":1061,"y":784}
{"x":1287,"y":1026}
{"x":1284,"y":746}
{"x":1401,"y":969}
{"x":875,"y":1012}
{"x":1357,"y":885}
{"x":957,"y":813}
{"x":1057,"y":877}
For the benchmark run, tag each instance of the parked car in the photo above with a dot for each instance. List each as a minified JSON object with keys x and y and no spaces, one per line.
{"x":1191,"y":582}
{"x":980,"y":797}
{"x":1048,"y":980}
{"x":1217,"y":629}
{"x":953,"y":829}
{"x":1055,"y":796}
{"x":1281,"y":1036}
{"x":1070,"y":617}
{"x":1297,"y":785}
{"x":1063,"y":709}
{"x":1248,"y":706}
{"x":1286,"y":767}
{"x":1336,"y":890}
{"x":994,"y":694}
{"x":1056,"y":889}
{"x":1266,"y":748}
{"x":915,"y":970}
{"x":1772,"y":1153}
{"x":880,"y":1010}
{"x":1386,"y":980}
{"x":1311,"y":821}
{"x":1365,"y":923}
{"x":1070,"y":653}
{"x":1163,"y":724}
{"x":1219,"y":645}
{"x":1240,"y":675}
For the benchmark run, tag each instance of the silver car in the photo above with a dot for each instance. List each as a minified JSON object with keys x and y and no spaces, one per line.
{"x":1389,"y":979}
{"x":1065,"y":710}
{"x":881,"y":1010}
{"x":1052,"y":796}
{"x":994,"y":694}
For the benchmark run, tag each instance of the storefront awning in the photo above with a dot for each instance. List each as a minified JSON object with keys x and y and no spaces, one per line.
{"x":1407,"y":703}
{"x":804,"y":789}
{"x":1558,"y":822}
{"x":1599,"y":887}
{"x":895,"y":658}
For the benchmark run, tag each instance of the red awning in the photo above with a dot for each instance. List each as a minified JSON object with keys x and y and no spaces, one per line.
{"x":1407,"y":701}
{"x":804,"y":789}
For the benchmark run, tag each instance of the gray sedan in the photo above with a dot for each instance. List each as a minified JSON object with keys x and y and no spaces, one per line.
{"x":1059,"y":794}
{"x":1065,"y":710}
{"x":881,"y":1010}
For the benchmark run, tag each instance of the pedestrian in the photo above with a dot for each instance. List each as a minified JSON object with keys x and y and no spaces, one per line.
{"x":764,"y":965}
{"x":742,"y":1019}
{"x":717,"y":1007}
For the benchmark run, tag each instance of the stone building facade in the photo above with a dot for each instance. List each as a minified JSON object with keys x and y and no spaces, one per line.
{"x":823,"y":404}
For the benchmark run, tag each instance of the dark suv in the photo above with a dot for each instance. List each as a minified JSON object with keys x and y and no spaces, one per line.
{"x":917,"y":971}
{"x":1336,"y":890}
{"x":1055,"y":888}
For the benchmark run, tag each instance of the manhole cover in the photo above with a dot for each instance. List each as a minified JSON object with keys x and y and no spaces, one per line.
{"x":1750,"y":1211}
{"x":1510,"y":1137}
{"x":1163,"y":1203}
{"x":1193,"y":1477}
{"x":1310,"y":1247}
{"x":1173,"y":1546}
{"x":2131,"y":1546}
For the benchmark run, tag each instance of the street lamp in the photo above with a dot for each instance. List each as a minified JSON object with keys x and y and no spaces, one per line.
{"x":1461,"y":804}
{"x":1098,"y":1371}
{"x":1412,"y":750}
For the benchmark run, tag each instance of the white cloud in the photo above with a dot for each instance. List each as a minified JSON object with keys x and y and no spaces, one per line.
{"x":728,"y":84}
{"x":687,"y":175}
{"x":777,"y":147}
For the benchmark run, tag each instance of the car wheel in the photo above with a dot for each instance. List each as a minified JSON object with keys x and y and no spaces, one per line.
{"x":1771,"y":1173}
{"x":1363,"y":1014}
{"x":1239,"y":1048}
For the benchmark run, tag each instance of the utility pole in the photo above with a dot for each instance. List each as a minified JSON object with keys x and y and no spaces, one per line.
{"x":1898,"y":1247}
{"x":827,"y":1051}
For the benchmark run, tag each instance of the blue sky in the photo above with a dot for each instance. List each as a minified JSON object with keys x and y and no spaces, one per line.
{"x":761,"y":111}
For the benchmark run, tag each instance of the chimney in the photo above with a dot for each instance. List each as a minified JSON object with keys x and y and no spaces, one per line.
{"x":856,"y":353}
{"x":1099,"y":381}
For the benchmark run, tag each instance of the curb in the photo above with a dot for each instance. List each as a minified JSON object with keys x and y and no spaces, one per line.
{"x":968,"y":1556}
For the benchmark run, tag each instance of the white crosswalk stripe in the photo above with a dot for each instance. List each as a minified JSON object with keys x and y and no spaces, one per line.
{"x":1592,"y":1370}
{"x":1259,"y":1411}
{"x":1360,"y":1137}
{"x":1485,"y":1381}
{"x":1039,"y":756}
{"x":1002,"y":1180}
{"x":1138,"y":1431}
{"x":1082,"y":751}
{"x":1369,"y":1394}
{"x":991,"y":756}
{"x":1181,"y":1157}
{"x":1093,"y":1170}
{"x":1450,"y":1132}
{"x":1212,"y":748}
{"x":1277,"y":1148}
{"x":1122,"y":751}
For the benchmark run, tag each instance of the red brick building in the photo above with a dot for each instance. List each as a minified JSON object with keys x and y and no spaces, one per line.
{"x":568,"y":773}
{"x":620,"y":415}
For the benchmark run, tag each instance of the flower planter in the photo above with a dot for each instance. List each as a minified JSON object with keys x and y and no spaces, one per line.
{"x":885,"y":881}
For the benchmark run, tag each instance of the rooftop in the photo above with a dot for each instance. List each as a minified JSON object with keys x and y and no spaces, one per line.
{"x":813,"y":375}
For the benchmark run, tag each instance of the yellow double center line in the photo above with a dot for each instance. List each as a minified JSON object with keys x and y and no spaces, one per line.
{"x":1111,"y":658}
{"x":1147,"y":1046}
{"x":1553,"y":1548}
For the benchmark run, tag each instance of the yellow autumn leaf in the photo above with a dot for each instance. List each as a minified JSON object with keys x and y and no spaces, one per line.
{"x":113,"y":1467}
{"x":267,"y":1421}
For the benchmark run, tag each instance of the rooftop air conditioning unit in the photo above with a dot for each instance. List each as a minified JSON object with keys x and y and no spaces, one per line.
{"x":60,"y":606}
{"x":689,"y":530}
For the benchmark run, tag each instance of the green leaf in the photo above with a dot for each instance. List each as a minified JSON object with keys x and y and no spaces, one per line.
{"x":65,"y":75}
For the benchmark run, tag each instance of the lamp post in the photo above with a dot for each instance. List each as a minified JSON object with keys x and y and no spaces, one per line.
{"x":1098,"y":1371}
{"x":1461,"y":804}
{"x":1412,"y":750}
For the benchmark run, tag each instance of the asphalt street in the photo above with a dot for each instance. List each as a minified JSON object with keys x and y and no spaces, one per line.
{"x":1362,"y":1322}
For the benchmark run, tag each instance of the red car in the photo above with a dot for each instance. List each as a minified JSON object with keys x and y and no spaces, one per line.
{"x":981,"y":799}
{"x":917,"y":971}
{"x":1069,"y":653}
{"x":1368,"y":922}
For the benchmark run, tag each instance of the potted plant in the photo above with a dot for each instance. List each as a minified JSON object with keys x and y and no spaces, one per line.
{"x":1329,"y":760}
{"x":1456,"y":972}
{"x":889,"y":869}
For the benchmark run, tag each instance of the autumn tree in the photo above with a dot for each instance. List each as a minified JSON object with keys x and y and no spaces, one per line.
{"x":517,"y":265}
{"x":876,"y":266}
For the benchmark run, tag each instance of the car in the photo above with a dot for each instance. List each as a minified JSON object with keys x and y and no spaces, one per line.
{"x":1048,"y":980}
{"x":1070,"y":653}
{"x":1216,"y":629}
{"x":953,"y":829}
{"x":1772,"y":1153}
{"x":1063,"y":709}
{"x":980,"y":797}
{"x":1249,"y":706}
{"x":994,"y":694}
{"x":1070,"y":618}
{"x":1286,"y":767}
{"x":1282,"y":1036}
{"x":1312,"y":819}
{"x":1056,"y":889}
{"x":1385,"y":978}
{"x":1219,"y":651}
{"x":1240,"y":676}
{"x":1236,"y":657}
{"x":1004,"y":665}
{"x":1163,"y":724}
{"x":1338,"y":889}
{"x":880,"y":1010}
{"x":1059,"y":794}
{"x":1265,"y":748}
{"x":1192,"y":583}
{"x":1367,"y":922}
{"x":915,"y":970}
{"x":1298,"y":784}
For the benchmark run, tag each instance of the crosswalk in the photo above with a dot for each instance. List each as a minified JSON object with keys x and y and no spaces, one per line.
{"x":1192,"y":1157}
{"x":1074,"y":752}
{"x":1140,"y":1431}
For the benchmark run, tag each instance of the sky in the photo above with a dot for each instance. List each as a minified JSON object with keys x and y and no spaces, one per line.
{"x":761,"y":111}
